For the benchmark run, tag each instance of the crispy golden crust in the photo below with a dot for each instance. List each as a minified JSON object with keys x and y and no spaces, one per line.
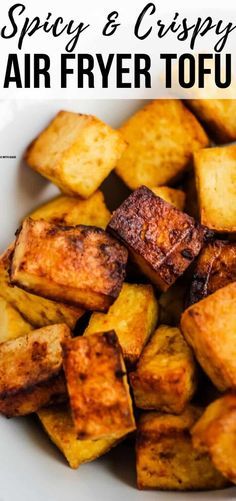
{"x":215,"y":434}
{"x":215,"y":268}
{"x":71,"y":211}
{"x":165,"y":455}
{"x":209,"y":327}
{"x":12,"y":324}
{"x":218,"y":115}
{"x":161,"y":139}
{"x":165,"y":378}
{"x":162,"y":240}
{"x":215,"y":170}
{"x":76,"y":152}
{"x":133,"y":316}
{"x":31,"y":370}
{"x":81,"y":265}
{"x":36,"y":310}
{"x":97,"y":386}
{"x":58,"y":424}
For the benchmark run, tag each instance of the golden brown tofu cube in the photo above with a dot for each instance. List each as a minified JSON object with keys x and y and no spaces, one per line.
{"x":165,"y":457}
{"x":81,"y":265}
{"x":209,"y":326}
{"x":58,"y":424}
{"x":162,"y":240}
{"x":218,"y":115}
{"x":71,"y":211}
{"x":215,"y":268}
{"x":97,"y":386}
{"x":76,"y":152}
{"x":172,"y":303}
{"x":161,"y":140}
{"x":215,"y":434}
{"x":12,"y":324}
{"x":133,"y":316}
{"x":215,"y":170}
{"x":38,"y":311}
{"x":171,"y":195}
{"x":31,"y":373}
{"x":165,"y":378}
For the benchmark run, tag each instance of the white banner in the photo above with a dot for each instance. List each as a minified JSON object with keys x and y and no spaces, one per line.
{"x":117,"y":49}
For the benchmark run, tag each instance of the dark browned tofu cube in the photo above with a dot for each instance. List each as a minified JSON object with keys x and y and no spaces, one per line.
{"x":31,"y":374}
{"x":162,"y":240}
{"x":80,"y":265}
{"x":97,"y":386}
{"x":215,"y":268}
{"x":165,"y":455}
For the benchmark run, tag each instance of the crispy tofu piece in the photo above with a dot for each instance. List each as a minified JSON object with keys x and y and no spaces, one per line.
{"x":97,"y":386}
{"x":215,"y":268}
{"x":76,"y":152}
{"x":162,"y":240}
{"x":133,"y":316}
{"x":31,"y":373}
{"x":215,"y":170}
{"x":172,"y":303}
{"x":209,"y":326}
{"x":58,"y":424}
{"x":71,"y":211}
{"x":12,"y":324}
{"x":165,"y":457}
{"x":215,"y":433}
{"x":218,"y":115}
{"x":171,"y":195}
{"x":191,"y":202}
{"x":161,"y":140}
{"x":165,"y":378}
{"x":36,"y":310}
{"x":81,"y":265}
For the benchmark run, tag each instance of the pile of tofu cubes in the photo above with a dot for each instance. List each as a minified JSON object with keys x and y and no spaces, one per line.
{"x":124,"y":325}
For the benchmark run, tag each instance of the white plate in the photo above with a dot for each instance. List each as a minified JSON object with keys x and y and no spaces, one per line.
{"x":31,"y":468}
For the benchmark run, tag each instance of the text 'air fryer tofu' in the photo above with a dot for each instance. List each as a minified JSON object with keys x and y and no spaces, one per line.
{"x":81,"y":265}
{"x":162,"y":240}
{"x":31,"y":374}
{"x":97,"y":386}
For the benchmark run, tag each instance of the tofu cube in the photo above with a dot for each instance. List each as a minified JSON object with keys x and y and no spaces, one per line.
{"x":165,"y":457}
{"x":36,"y":310}
{"x":209,"y":327}
{"x":218,"y":115}
{"x":58,"y":424}
{"x":215,"y":268}
{"x":165,"y":378}
{"x":12,"y":324}
{"x":76,"y":152}
{"x":133,"y":316}
{"x":215,"y":433}
{"x":162,"y":240}
{"x":81,"y":265}
{"x":97,"y":386}
{"x":215,"y":170}
{"x":162,"y":138}
{"x":171,"y":195}
{"x":71,"y":211}
{"x":31,"y":373}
